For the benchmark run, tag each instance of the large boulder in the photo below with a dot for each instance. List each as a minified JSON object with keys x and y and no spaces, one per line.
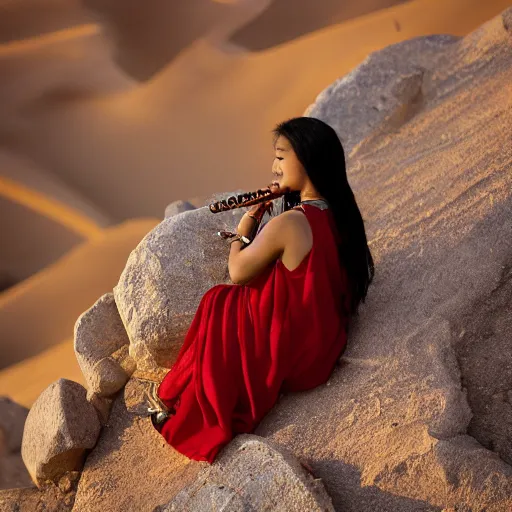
{"x":382,"y":93}
{"x":252,"y":473}
{"x":61,"y":426}
{"x":101,"y":348}
{"x":165,"y":278}
{"x":417,"y":414}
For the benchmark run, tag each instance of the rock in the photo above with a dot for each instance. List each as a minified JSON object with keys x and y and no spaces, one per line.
{"x":382,"y":93}
{"x":13,"y":473}
{"x":12,"y":470}
{"x":102,"y":405}
{"x":12,"y":420}
{"x":52,"y":497}
{"x":177,"y":207}
{"x":60,"y":427}
{"x":101,"y":347}
{"x":433,"y":181}
{"x":491,"y":483}
{"x":131,"y":467}
{"x":489,"y":324}
{"x":136,"y":396}
{"x":252,"y":473}
{"x":181,"y":259}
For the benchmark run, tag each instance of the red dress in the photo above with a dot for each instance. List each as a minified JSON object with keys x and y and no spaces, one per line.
{"x":282,"y":331}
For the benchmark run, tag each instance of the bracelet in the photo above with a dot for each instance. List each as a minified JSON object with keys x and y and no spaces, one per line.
{"x":240,"y":238}
{"x":232,"y":237}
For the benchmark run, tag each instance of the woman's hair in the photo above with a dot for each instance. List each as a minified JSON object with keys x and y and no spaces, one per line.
{"x":319,"y":150}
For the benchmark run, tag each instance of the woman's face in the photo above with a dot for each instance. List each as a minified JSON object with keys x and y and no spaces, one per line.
{"x":287,"y":169}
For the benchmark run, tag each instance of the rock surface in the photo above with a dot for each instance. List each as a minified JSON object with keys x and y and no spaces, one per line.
{"x":433,"y":178}
{"x":52,"y":497}
{"x":182,"y":258}
{"x":132,"y":467}
{"x":60,"y":427}
{"x":101,"y":347}
{"x":12,"y":420}
{"x":177,"y":207}
{"x":252,"y":473}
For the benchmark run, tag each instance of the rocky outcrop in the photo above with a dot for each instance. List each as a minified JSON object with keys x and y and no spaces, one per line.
{"x":61,"y":426}
{"x":253,"y":473}
{"x":12,"y":420}
{"x":416,"y":417}
{"x":381,"y":94}
{"x":182,"y":258}
{"x":433,"y":178}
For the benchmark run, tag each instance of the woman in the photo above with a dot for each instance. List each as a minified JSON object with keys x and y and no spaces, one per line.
{"x":283,"y":324}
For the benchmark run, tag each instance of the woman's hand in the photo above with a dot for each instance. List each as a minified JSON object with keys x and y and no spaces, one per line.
{"x":253,"y":216}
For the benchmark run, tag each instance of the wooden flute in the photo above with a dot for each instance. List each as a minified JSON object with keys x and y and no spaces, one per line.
{"x":246,"y":199}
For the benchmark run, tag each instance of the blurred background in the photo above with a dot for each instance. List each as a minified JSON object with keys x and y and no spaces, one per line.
{"x":112,"y":110}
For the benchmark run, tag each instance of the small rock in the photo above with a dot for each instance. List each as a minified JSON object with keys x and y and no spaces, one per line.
{"x":102,"y":405}
{"x":60,"y":427}
{"x":65,"y":484}
{"x":102,"y":348}
{"x":177,"y":207}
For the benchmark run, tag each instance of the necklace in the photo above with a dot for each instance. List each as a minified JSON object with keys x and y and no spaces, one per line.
{"x":321,"y":203}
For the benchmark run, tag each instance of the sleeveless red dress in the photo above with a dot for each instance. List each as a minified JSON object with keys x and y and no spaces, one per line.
{"x":282,"y":331}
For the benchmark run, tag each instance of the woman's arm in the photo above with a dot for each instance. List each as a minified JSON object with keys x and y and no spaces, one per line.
{"x":267,"y":246}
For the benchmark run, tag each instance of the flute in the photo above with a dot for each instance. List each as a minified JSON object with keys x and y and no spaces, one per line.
{"x":246,"y":199}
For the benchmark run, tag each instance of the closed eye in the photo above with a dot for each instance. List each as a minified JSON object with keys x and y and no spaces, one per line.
{"x":279,"y":157}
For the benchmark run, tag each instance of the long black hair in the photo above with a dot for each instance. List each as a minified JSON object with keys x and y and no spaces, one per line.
{"x":319,"y":150}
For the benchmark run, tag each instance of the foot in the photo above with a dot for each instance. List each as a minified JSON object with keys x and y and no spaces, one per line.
{"x":158,"y":418}
{"x":154,"y":400}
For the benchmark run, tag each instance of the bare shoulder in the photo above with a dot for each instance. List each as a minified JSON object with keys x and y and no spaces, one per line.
{"x":294,"y":220}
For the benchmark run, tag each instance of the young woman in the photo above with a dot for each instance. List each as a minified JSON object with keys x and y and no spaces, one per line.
{"x":283,"y":324}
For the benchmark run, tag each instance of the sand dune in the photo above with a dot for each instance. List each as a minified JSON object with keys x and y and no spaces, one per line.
{"x":202,"y":124}
{"x":23,"y":382}
{"x":283,"y":21}
{"x":42,"y":311}
{"x":28,"y":18}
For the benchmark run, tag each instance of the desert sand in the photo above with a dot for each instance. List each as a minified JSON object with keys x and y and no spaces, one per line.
{"x":202,"y":122}
{"x":41,"y":311}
